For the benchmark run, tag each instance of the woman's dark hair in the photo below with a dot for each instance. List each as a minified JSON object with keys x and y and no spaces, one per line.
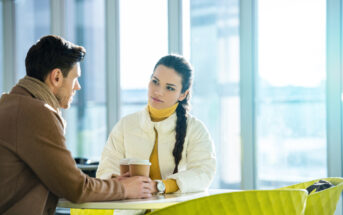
{"x":184,"y":69}
{"x":52,"y":52}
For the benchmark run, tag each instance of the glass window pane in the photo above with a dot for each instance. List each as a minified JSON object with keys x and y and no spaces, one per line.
{"x":215,"y":100}
{"x":290,"y":99}
{"x":32,"y":22}
{"x":86,"y":131}
{"x":143,"y":40}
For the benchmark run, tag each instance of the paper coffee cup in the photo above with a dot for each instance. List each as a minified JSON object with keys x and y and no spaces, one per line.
{"x":124,"y":165}
{"x":139,"y":167}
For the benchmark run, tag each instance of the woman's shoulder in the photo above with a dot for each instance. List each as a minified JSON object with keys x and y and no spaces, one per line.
{"x":133,"y":119}
{"x":129,"y":121}
{"x":193,"y":119}
{"x":134,"y":116}
{"x":197,"y":130}
{"x":195,"y":123}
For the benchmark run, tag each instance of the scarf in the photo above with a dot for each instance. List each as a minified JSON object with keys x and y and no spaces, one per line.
{"x":42,"y":92}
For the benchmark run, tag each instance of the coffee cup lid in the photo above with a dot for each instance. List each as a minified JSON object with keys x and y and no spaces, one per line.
{"x":125,"y":161}
{"x":139,"y":162}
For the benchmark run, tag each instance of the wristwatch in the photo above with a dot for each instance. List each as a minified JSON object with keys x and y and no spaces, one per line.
{"x":160,"y":186}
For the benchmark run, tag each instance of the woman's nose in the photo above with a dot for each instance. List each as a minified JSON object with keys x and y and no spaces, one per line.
{"x":158,"y":91}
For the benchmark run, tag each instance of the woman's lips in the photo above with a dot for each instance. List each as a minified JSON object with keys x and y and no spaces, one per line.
{"x":156,"y":99}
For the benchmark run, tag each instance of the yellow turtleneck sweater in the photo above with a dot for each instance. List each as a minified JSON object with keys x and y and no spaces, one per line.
{"x":155,"y":173}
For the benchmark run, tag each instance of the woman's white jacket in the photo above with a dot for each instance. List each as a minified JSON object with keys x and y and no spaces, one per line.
{"x":134,"y":137}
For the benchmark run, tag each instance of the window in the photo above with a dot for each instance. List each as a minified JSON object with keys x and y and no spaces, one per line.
{"x":287,"y":54}
{"x":86,"y":131}
{"x":290,"y":99}
{"x":32,"y":22}
{"x":143,"y":40}
{"x":215,"y":100}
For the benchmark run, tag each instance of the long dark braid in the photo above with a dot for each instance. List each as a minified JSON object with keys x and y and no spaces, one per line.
{"x":180,"y":130}
{"x":183,"y":68}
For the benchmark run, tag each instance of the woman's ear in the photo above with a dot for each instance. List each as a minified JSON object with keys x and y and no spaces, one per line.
{"x":183,"y":96}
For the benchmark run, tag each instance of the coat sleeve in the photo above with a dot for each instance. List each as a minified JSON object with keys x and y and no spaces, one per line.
{"x":200,"y":158}
{"x":112,"y":153}
{"x":41,"y":145}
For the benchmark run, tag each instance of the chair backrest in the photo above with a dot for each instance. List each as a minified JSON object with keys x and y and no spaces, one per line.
{"x":323,"y":202}
{"x":254,"y":202}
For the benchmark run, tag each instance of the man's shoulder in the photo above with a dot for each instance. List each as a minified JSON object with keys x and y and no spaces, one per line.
{"x":26,"y":105}
{"x":20,"y":95}
{"x":24,"y":101}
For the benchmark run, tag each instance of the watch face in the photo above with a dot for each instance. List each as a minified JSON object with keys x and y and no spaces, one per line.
{"x":160,"y":186}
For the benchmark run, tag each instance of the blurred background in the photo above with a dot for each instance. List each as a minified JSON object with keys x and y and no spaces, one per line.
{"x":268,"y":75}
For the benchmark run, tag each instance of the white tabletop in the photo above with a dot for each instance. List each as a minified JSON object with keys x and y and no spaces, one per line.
{"x":155,"y":202}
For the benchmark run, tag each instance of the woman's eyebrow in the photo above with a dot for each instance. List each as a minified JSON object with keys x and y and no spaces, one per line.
{"x":169,"y":84}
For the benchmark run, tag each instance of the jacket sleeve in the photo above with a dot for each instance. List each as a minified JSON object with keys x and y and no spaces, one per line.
{"x":112,"y":153}
{"x":200,"y":159}
{"x":41,"y":145}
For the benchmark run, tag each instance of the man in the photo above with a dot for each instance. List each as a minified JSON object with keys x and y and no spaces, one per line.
{"x":35,"y":166}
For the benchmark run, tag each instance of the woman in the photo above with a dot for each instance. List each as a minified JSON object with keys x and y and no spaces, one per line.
{"x":178,"y":145}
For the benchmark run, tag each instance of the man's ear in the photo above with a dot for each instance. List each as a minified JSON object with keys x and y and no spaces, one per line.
{"x":183,"y":96}
{"x":55,"y":78}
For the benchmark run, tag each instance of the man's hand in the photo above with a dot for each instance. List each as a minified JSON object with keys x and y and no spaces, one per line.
{"x":136,"y":187}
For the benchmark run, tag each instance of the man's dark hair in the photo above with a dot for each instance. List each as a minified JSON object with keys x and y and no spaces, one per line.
{"x":52,"y":52}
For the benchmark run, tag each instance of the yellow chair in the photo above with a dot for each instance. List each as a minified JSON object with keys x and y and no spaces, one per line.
{"x":323,"y":202}
{"x":254,"y":202}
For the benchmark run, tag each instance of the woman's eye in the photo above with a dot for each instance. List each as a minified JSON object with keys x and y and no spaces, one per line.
{"x":155,"y":81}
{"x":170,"y":88}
